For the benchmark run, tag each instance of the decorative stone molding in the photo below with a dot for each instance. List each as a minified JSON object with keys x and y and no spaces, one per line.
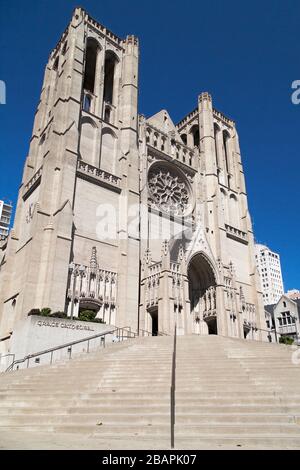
{"x":98,"y":176}
{"x":32,"y":183}
{"x":236,"y":234}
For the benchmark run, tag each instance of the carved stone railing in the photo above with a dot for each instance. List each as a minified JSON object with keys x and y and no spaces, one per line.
{"x":167,"y":144}
{"x":236,"y":234}
{"x":104,"y":30}
{"x":34,"y":181}
{"x":96,"y":174}
{"x":220,"y":116}
{"x":186,"y":119}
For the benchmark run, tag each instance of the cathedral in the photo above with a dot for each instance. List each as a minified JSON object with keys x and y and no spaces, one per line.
{"x":141,"y":220}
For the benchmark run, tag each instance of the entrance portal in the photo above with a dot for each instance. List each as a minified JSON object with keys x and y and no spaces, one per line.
{"x":202,"y":294}
{"x":154,"y":318}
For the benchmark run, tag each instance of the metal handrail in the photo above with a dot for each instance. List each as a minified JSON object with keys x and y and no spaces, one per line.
{"x":119,"y":333}
{"x":172,"y":391}
{"x":149,"y":333}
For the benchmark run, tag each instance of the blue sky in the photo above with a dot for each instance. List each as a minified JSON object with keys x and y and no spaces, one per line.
{"x":246,"y":54}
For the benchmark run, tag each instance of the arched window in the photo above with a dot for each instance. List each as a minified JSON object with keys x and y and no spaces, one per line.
{"x":108,"y":151}
{"x":234,"y":211}
{"x":226,"y":138}
{"x":184,"y":138}
{"x":55,"y":65}
{"x":109,"y":76}
{"x":195,"y":133}
{"x":88,"y":141}
{"x":64,"y":50}
{"x":148,"y":134}
{"x":90,"y":65}
{"x":42,"y":139}
{"x":87,"y":102}
{"x":216,"y":135}
{"x":107,"y":114}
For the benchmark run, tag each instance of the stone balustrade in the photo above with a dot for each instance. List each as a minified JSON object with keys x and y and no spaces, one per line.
{"x":87,"y":170}
{"x":32,"y":182}
{"x":167,"y":144}
{"x":236,"y":234}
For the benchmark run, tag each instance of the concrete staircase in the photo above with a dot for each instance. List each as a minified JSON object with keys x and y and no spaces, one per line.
{"x":229,"y":394}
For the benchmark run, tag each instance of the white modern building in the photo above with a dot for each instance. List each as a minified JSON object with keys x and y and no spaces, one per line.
{"x":269,"y":268}
{"x":5,"y":217}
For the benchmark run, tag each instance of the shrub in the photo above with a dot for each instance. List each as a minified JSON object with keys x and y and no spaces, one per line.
{"x":58,"y":315}
{"x":45,"y":312}
{"x":98,"y":320}
{"x":34,"y":311}
{"x":286,"y":340}
{"x":87,"y":315}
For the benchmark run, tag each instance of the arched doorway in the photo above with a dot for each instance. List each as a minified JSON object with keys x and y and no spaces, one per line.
{"x":202,"y":294}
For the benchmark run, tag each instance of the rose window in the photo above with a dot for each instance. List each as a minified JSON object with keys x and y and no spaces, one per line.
{"x":169,"y":190}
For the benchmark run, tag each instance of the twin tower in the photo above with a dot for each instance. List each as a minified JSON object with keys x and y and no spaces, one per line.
{"x":140,"y":220}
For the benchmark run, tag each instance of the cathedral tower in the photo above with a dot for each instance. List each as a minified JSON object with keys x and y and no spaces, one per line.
{"x":83,"y":156}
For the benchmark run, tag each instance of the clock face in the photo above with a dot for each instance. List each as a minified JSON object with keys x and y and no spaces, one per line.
{"x":169,"y":189}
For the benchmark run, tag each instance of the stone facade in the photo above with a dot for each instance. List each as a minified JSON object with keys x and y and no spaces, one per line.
{"x":144,"y":221}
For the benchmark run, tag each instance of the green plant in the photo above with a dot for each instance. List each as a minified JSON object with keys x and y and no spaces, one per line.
{"x":98,"y":320}
{"x":34,"y":311}
{"x":45,"y":312}
{"x":87,"y":315}
{"x":286,"y":340}
{"x":58,"y":315}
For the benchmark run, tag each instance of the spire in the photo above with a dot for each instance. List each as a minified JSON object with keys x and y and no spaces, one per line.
{"x":165,"y":254}
{"x":94,"y":261}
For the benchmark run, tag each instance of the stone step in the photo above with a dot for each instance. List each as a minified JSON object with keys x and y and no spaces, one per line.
{"x":181,"y":430}
{"x":145,"y":407}
{"x":232,"y":442}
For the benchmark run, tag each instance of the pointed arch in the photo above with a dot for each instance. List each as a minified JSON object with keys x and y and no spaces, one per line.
{"x":224,"y":204}
{"x":217,"y":146}
{"x":91,"y":57}
{"x":111,"y":66}
{"x":234,"y":211}
{"x":108,"y":150}
{"x":88,"y":140}
{"x":195,"y":134}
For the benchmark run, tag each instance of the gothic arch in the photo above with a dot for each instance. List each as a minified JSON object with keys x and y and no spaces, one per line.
{"x":111,"y":77}
{"x":88,"y":119}
{"x":194,"y":131}
{"x":88,"y":140}
{"x":208,"y":268}
{"x":203,"y":293}
{"x":234,"y":211}
{"x":91,"y":56}
{"x":217,"y":144}
{"x":108,"y":150}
